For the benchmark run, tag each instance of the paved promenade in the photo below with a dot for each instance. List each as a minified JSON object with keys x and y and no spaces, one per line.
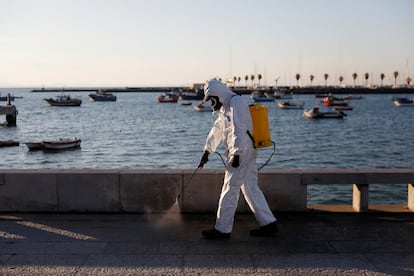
{"x":308,"y":243}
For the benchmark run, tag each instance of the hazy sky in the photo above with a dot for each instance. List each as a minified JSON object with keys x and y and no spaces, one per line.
{"x":179,"y":42}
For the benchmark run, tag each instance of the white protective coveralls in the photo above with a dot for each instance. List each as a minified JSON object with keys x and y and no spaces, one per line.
{"x":231,"y":127}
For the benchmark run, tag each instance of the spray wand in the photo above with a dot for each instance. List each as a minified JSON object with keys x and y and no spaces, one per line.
{"x":189,"y":180}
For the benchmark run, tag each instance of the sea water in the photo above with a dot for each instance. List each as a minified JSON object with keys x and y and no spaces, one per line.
{"x":136,"y":132}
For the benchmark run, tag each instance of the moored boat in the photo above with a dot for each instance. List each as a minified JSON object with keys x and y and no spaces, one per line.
{"x":6,"y":98}
{"x":332,"y":101}
{"x":261,"y":97}
{"x":353,"y":97}
{"x":167,"y":98}
{"x":197,"y":95}
{"x":34,"y":145}
{"x":402,"y":101}
{"x":281,"y":95}
{"x":64,"y":100}
{"x":342,"y":108}
{"x":9,"y":143}
{"x":315,"y":113}
{"x":290,"y":105}
{"x":62,"y":144}
{"x":102,"y":96}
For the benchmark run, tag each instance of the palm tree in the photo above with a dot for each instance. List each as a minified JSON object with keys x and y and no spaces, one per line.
{"x":354,"y":76}
{"x":366,"y":79}
{"x":382,"y":76}
{"x":311,"y":77}
{"x":341,"y":79}
{"x":297,"y":76}
{"x":326,"y":76}
{"x":234,"y":81}
{"x":252,"y":79}
{"x":259,"y":77}
{"x":246,"y":78}
{"x":238,"y":79}
{"x":395,"y":77}
{"x":408,"y":80}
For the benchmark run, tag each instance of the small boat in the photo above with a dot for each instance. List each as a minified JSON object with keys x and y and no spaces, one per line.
{"x":6,"y":98}
{"x":9,"y":143}
{"x":62,"y":144}
{"x":102,"y":96}
{"x":167,"y":98}
{"x":400,"y":101}
{"x":335,"y":98}
{"x":290,"y":105}
{"x":343,"y":108}
{"x":185,"y":103}
{"x":195,"y":95}
{"x":261,"y":97}
{"x":34,"y":145}
{"x":201,"y":107}
{"x":332,"y":101}
{"x":281,"y":95}
{"x":314,"y":113}
{"x":353,"y":97}
{"x":64,"y":100}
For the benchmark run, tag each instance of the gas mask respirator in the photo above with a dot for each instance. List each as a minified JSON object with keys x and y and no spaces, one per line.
{"x":215,"y":103}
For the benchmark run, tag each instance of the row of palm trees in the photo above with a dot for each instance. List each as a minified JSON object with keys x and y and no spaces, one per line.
{"x":246,"y":78}
{"x":354,"y":77}
{"x":325,"y":76}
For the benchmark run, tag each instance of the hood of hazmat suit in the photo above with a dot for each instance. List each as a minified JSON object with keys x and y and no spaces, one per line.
{"x":233,"y":121}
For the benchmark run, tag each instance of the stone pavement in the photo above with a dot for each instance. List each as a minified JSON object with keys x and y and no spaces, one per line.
{"x":326,"y":243}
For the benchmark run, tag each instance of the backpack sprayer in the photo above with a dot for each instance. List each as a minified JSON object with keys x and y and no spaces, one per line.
{"x":261,"y":131}
{"x":260,"y":137}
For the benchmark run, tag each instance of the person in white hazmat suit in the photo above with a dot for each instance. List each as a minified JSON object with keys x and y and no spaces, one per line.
{"x":232,"y":127}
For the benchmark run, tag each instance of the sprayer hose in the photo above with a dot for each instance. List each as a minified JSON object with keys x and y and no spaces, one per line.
{"x":262,"y":166}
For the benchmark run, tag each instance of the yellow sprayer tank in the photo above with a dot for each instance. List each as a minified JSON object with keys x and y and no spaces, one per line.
{"x":261,"y":131}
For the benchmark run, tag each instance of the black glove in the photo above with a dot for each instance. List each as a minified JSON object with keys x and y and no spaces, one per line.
{"x":236,"y":161}
{"x":203,"y":159}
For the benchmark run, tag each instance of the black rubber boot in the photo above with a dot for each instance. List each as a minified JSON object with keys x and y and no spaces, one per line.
{"x":214,"y":234}
{"x":265,"y":231}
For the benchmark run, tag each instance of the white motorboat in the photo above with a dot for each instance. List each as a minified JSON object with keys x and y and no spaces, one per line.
{"x":290,"y":105}
{"x":62,"y":144}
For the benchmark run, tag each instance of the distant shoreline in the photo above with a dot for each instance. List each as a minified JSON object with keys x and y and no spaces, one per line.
{"x":244,"y":90}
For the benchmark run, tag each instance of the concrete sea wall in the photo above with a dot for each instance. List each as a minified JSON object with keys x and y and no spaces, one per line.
{"x":139,"y":191}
